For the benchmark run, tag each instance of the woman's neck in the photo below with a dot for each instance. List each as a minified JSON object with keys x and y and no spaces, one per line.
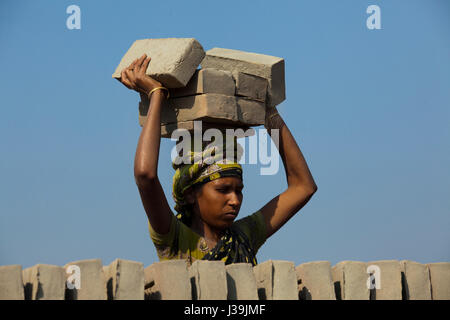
{"x":211,"y":235}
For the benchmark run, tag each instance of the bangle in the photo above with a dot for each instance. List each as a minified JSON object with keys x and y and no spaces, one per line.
{"x":163,"y":88}
{"x":273,"y":120}
{"x":273,"y":115}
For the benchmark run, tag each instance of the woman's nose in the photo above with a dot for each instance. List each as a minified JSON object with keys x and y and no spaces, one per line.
{"x":234,"y":199}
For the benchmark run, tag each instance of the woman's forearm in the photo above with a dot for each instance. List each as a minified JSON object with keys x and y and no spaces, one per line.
{"x":296,"y":168}
{"x":147,"y":152}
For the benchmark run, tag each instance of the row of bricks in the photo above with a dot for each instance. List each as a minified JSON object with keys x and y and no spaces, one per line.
{"x":233,"y":99}
{"x":212,"y":280}
{"x":237,"y":100}
{"x":175,"y":60}
{"x":232,"y":89}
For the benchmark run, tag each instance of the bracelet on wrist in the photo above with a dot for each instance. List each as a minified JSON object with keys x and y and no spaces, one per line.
{"x":157,"y":88}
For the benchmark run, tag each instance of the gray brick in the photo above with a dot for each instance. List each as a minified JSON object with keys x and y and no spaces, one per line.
{"x":276,"y":280}
{"x":125,"y":280}
{"x":173,"y":60}
{"x":350,"y":280}
{"x":11,"y":283}
{"x":209,"y":106}
{"x":251,"y":86}
{"x":390,"y":280}
{"x":241,"y":282}
{"x":221,"y":110}
{"x":207,"y":81}
{"x":44,"y":282}
{"x":315,"y":281}
{"x":167,"y":280}
{"x":265,"y":66}
{"x":415,"y":280}
{"x":251,"y":112}
{"x":93,"y":282}
{"x":208,"y":279}
{"x":440,"y":280}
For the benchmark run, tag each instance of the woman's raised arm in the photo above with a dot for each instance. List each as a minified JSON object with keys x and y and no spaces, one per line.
{"x":147,"y":152}
{"x":301,"y":185}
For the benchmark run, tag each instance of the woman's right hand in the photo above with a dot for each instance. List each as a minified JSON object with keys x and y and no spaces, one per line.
{"x":134,"y":77}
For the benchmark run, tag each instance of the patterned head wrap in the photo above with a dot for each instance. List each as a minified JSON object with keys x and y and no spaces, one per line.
{"x":200,"y":167}
{"x":197,"y":168}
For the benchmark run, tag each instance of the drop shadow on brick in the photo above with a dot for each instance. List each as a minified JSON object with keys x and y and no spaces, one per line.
{"x":337,"y":290}
{"x":232,"y":290}
{"x":109,"y":291}
{"x":28,"y":290}
{"x":304,"y":293}
{"x":193,"y":289}
{"x":70,"y":294}
{"x":262,"y":294}
{"x":150,"y":292}
{"x":405,"y":288}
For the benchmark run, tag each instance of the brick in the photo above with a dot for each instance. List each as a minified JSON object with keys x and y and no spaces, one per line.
{"x":208,"y":280}
{"x":241,"y":282}
{"x":251,"y":86}
{"x":168,"y":128}
{"x":390,"y":280}
{"x":125,"y":280}
{"x":416,"y":283}
{"x":207,"y":81}
{"x":92,"y":281}
{"x":209,"y":106}
{"x":315,"y":281}
{"x":276,"y":280}
{"x":173,"y":60}
{"x":167,"y":280}
{"x":265,"y":66}
{"x":251,"y":112}
{"x":11,"y":283}
{"x":350,"y":280}
{"x":221,"y":110}
{"x":44,"y":282}
{"x":440,"y":280}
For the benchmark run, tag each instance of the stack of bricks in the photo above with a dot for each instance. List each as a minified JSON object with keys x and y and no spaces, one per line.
{"x":213,"y":280}
{"x":231,"y":90}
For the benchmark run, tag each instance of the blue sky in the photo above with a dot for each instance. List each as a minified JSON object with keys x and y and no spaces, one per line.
{"x":370,"y":110}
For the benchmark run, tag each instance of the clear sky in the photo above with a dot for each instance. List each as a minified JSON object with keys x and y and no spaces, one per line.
{"x":370,"y":110}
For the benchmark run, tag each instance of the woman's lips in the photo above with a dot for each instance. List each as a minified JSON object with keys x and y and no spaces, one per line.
{"x":231,"y":214}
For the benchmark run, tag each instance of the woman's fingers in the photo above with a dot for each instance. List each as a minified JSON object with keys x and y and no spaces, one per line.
{"x":139,"y":62}
{"x":130,"y":77}
{"x":125,"y":80}
{"x":134,"y":77}
{"x":145,"y":65}
{"x":132,"y":66}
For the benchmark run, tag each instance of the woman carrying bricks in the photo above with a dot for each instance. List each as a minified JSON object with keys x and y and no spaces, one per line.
{"x":208,"y":197}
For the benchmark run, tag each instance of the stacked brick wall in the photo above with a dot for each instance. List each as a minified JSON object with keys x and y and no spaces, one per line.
{"x":206,"y":280}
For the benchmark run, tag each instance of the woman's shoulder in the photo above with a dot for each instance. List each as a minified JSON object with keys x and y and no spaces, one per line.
{"x":254,"y":228}
{"x":181,"y":242}
{"x":251,"y":219}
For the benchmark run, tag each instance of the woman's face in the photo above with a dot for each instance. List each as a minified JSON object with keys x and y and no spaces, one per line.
{"x":218,"y":202}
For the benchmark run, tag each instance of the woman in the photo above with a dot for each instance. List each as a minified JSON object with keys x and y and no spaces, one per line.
{"x":208,"y":197}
